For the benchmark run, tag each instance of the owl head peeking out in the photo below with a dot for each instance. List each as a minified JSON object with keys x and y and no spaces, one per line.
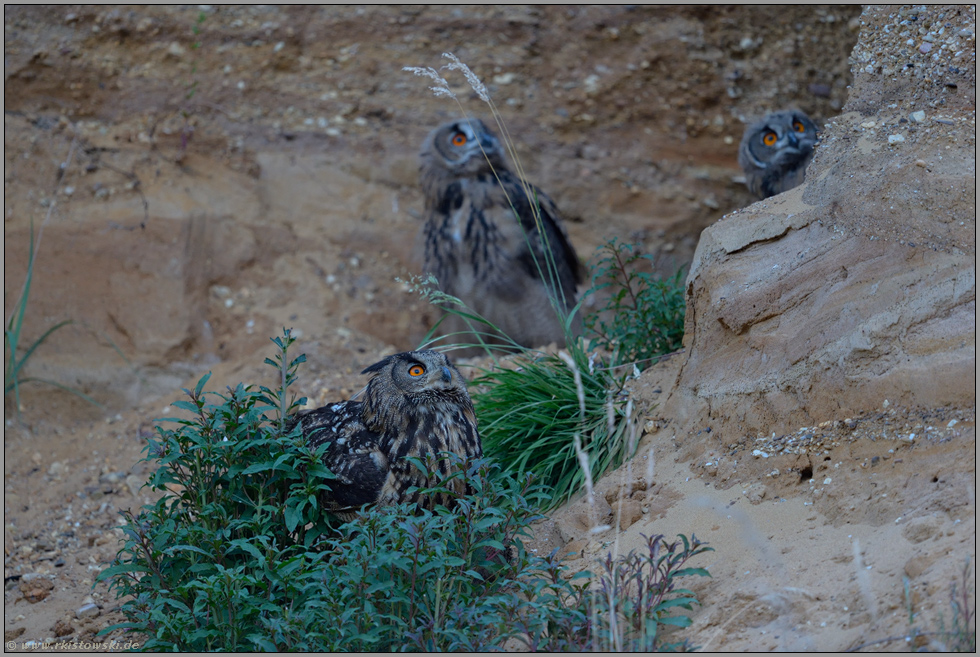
{"x":775,"y":152}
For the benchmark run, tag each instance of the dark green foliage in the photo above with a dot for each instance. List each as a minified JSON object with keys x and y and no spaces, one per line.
{"x":237,"y":556}
{"x":640,"y":590}
{"x":644,"y":316}
{"x":530,"y":417}
{"x":634,"y":595}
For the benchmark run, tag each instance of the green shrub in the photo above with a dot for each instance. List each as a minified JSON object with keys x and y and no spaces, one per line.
{"x":644,"y":315}
{"x":236,"y":554}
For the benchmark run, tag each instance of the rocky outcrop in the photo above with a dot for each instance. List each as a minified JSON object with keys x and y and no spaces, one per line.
{"x":859,"y":286}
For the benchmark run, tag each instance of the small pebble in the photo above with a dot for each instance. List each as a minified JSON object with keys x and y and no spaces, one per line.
{"x":895,"y":139}
{"x":918,"y":116}
{"x":88,"y":610}
{"x":111,"y":477}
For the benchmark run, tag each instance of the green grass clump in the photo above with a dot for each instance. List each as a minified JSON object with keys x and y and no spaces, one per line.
{"x":236,"y":554}
{"x":643,"y":316}
{"x":531,"y":417}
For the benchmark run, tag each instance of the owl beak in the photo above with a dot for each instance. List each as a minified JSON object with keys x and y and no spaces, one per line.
{"x":447,"y":376}
{"x":793,"y":141}
{"x":488,"y":142}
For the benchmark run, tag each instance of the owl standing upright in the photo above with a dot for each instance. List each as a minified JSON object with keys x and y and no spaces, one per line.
{"x":492,"y":240}
{"x":775,"y":152}
{"x":415,"y":405}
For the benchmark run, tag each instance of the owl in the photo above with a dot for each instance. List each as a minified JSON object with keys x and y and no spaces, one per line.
{"x":415,"y":405}
{"x":775,"y":152}
{"x":486,"y":242}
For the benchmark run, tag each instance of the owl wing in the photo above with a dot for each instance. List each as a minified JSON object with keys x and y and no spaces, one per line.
{"x":353,"y":456}
{"x":535,"y":238}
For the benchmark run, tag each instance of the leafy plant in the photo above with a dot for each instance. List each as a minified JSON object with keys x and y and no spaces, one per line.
{"x":14,"y":361}
{"x":638,"y":592}
{"x":643,"y":316}
{"x":236,"y":554}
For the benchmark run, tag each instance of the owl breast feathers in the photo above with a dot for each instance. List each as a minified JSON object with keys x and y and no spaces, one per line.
{"x":495,"y":242}
{"x":415,"y":405}
{"x":775,"y":152}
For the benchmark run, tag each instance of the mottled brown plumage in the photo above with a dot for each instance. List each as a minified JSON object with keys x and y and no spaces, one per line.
{"x":415,"y":405}
{"x":484,"y":242}
{"x":776,"y":151}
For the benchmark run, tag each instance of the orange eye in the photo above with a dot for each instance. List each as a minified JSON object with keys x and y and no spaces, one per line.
{"x":769,"y":138}
{"x":416,"y":370}
{"x":798,"y":126}
{"x":459,"y":139}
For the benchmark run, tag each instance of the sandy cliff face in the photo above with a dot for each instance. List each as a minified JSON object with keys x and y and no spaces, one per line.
{"x":859,"y":286}
{"x":819,"y":427}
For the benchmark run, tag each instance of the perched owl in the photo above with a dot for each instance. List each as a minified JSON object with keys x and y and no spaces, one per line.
{"x":483,"y":241}
{"x":775,"y":152}
{"x":415,"y":404}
